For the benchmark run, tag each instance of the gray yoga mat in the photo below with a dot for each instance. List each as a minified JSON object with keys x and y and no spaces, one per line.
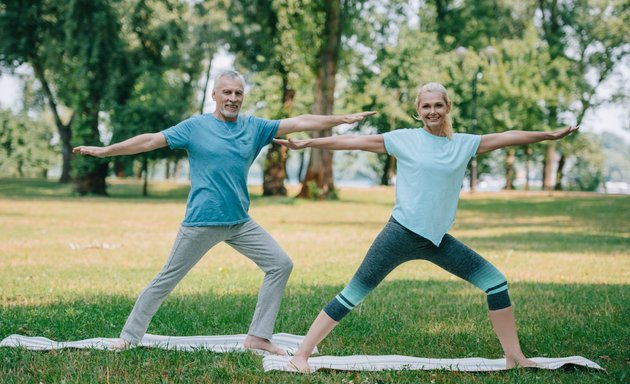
{"x":222,"y":343}
{"x":396,"y":362}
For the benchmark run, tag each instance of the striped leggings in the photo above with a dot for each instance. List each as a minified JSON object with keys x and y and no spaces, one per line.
{"x":396,"y":245}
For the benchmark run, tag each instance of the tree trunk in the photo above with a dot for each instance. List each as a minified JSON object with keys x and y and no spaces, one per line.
{"x":548,"y":162}
{"x":275,"y":171}
{"x":91,"y":172}
{"x":145,"y":173}
{"x":64,"y":130}
{"x":528,"y":155}
{"x":119,"y":168}
{"x":167,"y":169}
{"x":204,"y":92}
{"x":388,"y":170}
{"x":473,"y":175}
{"x":510,"y":157}
{"x":318,"y":182}
{"x":301,"y":174}
{"x":560,"y":172}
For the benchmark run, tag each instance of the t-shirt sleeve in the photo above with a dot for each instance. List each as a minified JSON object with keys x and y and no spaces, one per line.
{"x":471,"y":143}
{"x":394,"y":141}
{"x":266,"y":130}
{"x":178,"y":136}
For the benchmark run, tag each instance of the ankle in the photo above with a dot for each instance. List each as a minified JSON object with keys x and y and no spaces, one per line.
{"x":301,"y":355}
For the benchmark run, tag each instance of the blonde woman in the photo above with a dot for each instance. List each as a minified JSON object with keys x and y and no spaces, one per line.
{"x":431,"y":162}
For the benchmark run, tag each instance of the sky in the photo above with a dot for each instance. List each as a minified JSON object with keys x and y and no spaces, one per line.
{"x":613,"y":118}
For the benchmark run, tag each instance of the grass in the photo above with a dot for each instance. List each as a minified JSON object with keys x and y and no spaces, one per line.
{"x":71,"y":268}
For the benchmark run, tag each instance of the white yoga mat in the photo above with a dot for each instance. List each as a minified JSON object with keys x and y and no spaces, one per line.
{"x":395,"y":362}
{"x":223,"y":343}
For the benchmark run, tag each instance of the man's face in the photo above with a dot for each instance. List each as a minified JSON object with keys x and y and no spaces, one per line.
{"x":228,"y":94}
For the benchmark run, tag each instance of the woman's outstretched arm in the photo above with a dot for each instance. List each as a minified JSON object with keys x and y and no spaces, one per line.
{"x":370,"y":143}
{"x":493,"y":141}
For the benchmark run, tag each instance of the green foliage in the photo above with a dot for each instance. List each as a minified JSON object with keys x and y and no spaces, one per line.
{"x":587,"y":173}
{"x":25,"y":149}
{"x":129,"y":67}
{"x":617,"y":161}
{"x":474,"y":24}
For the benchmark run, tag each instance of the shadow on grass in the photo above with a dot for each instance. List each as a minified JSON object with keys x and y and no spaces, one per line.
{"x":406,"y":317}
{"x":122,"y":191}
{"x":551,"y":242}
{"x":576,"y":205}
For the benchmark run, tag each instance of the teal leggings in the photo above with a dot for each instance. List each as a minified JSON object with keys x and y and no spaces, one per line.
{"x":396,"y":245}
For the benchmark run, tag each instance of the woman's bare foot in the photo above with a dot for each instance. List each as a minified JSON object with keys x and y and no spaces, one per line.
{"x":300,"y":364}
{"x":519,"y":362}
{"x":255,"y":342}
{"x":119,"y":345}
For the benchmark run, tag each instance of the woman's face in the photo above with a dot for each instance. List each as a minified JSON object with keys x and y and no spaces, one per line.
{"x":433,"y":109}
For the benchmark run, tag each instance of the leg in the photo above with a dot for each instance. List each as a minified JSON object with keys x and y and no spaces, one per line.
{"x":190,"y":245}
{"x":392,"y":247}
{"x":457,"y":258}
{"x":318,"y":331}
{"x":505,"y":327}
{"x":255,"y":243}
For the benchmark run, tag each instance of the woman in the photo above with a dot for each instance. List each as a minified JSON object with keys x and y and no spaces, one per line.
{"x":431,"y":163}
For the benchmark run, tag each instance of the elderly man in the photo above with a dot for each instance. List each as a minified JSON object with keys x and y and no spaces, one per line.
{"x":221,"y":148}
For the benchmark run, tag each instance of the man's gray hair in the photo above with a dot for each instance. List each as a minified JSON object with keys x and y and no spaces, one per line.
{"x":232,"y":74}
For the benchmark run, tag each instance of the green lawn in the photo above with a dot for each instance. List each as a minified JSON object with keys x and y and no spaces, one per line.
{"x":567,"y":258}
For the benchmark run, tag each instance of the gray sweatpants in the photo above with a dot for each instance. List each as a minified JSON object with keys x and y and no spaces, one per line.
{"x":190,"y":245}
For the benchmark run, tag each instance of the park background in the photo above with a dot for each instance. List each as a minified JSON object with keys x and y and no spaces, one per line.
{"x":80,"y":237}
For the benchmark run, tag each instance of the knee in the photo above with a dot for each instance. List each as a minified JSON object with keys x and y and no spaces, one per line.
{"x":497,"y":293}
{"x":285,"y":265}
{"x":499,"y":300}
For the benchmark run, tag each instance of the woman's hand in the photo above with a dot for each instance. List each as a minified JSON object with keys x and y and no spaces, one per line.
{"x":560,"y":133}
{"x":292,"y":144}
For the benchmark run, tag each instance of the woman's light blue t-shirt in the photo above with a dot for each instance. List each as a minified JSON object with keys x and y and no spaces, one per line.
{"x":220,"y":155}
{"x":429,"y":176}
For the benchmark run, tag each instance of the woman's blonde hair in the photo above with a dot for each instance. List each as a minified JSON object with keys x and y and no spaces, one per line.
{"x":447,"y":127}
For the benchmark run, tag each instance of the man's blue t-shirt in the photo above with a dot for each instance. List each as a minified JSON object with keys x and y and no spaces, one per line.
{"x":220,"y":154}
{"x":430,"y":171}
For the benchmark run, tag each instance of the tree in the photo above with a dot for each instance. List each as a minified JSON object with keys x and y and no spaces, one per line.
{"x":342,"y":29}
{"x":168,"y":44}
{"x":268,"y":39}
{"x":33,"y":33}
{"x":72,"y":48}
{"x":95,"y":54}
{"x":25,"y":149}
{"x":389,"y":83}
{"x":592,"y":35}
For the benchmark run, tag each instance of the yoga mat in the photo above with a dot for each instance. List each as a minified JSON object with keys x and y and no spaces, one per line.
{"x":396,"y":362}
{"x":223,"y":343}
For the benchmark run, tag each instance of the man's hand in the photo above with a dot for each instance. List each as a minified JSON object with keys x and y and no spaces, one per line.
{"x":90,"y":151}
{"x":355,"y":117}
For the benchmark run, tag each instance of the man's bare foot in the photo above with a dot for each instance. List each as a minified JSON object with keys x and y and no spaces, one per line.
{"x":300,"y":364}
{"x":119,"y":345}
{"x":520,"y":362}
{"x":255,"y":342}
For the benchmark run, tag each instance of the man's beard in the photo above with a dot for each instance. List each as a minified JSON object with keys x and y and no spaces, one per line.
{"x":227,"y":113}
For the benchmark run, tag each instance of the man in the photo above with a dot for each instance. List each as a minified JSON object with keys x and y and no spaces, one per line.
{"x":221,"y":148}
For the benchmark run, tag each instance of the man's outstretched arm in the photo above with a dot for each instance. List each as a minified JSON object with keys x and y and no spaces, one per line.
{"x":318,"y":122}
{"x":137,"y":144}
